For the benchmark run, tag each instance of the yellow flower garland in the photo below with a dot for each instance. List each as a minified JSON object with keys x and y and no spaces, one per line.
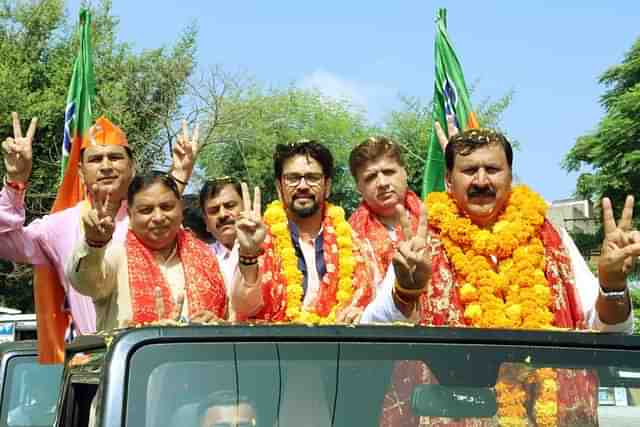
{"x":276,"y":219}
{"x":500,"y":274}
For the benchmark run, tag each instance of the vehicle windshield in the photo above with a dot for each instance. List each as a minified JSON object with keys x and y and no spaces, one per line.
{"x":30,"y":393}
{"x":371,"y":384}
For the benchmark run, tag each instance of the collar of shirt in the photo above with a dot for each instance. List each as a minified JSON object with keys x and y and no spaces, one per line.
{"x":221,"y":250}
{"x":321,"y":266}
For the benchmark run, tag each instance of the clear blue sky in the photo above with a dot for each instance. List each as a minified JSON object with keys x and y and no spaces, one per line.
{"x":549,"y":53}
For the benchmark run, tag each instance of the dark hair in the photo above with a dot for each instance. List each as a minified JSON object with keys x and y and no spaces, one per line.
{"x":142,"y":182}
{"x":373,"y":148}
{"x":470,"y":140}
{"x":307,"y":148}
{"x":127,"y":149}
{"x":212,"y":187}
{"x":222,"y":398}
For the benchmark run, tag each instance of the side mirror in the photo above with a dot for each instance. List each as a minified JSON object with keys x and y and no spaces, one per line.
{"x":434,"y":400}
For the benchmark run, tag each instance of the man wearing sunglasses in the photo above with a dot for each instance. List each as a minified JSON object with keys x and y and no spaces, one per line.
{"x":304,"y":257}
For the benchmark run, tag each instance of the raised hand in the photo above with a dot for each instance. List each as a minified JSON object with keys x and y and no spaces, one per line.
{"x":412,"y":261}
{"x":98,"y":223}
{"x":250,"y":230}
{"x":452,"y":130}
{"x":17,"y":152}
{"x":185,"y":151}
{"x":620,"y":248}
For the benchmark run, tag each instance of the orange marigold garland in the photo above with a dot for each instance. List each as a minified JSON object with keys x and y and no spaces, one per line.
{"x":276,"y":219}
{"x":499,"y":271}
{"x":511,"y":409}
{"x":545,"y":409}
{"x":502,"y":284}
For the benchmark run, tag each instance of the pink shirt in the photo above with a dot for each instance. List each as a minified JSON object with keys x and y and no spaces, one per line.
{"x":49,"y":241}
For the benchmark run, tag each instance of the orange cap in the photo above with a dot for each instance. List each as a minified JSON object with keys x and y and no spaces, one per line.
{"x":105,"y":133}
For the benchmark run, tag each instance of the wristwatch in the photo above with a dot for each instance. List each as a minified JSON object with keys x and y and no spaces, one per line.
{"x":614,"y":295}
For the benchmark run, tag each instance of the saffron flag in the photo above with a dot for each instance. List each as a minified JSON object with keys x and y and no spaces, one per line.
{"x":450,"y":97}
{"x":53,"y":319}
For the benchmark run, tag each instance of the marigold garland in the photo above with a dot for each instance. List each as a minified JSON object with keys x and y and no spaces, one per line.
{"x":502,"y":284}
{"x":500,"y":272}
{"x":276,"y":219}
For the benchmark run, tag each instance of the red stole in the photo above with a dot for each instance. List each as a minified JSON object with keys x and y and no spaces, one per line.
{"x":274,"y":286}
{"x":203,"y":281}
{"x":441,"y":306}
{"x":367,"y":226}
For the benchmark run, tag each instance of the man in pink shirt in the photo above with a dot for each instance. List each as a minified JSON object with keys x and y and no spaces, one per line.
{"x":106,"y":166}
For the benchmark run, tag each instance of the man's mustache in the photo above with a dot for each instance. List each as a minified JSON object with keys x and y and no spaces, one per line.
{"x":475,"y":191}
{"x":226,"y":221}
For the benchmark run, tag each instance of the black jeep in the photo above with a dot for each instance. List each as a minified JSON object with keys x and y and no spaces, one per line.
{"x":29,"y":390}
{"x":208,"y":376}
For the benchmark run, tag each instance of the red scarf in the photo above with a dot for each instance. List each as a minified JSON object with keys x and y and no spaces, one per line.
{"x":367,"y":226}
{"x":441,"y":305}
{"x":203,"y":281}
{"x":274,"y":286}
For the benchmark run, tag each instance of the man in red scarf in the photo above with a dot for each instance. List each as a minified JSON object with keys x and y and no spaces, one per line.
{"x":388,"y":218}
{"x":304,"y":259}
{"x":479,"y":197}
{"x":159,"y":260}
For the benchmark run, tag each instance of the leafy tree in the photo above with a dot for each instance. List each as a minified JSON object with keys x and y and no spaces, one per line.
{"x":611,"y":154}
{"x":257,"y":119}
{"x":635,"y":302}
{"x":139,"y":91}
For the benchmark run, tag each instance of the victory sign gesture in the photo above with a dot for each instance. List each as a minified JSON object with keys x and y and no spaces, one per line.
{"x":452,"y":130}
{"x":412,"y":261}
{"x":98,"y":223}
{"x":184,"y":154}
{"x":250,"y":230}
{"x":17,"y":153}
{"x":620,"y":248}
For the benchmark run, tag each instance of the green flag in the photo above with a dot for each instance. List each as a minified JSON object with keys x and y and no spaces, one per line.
{"x":82,"y":91}
{"x":450,"y":97}
{"x":49,"y":294}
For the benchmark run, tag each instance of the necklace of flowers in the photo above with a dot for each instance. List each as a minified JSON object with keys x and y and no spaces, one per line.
{"x":516,"y":294}
{"x":337,"y":234}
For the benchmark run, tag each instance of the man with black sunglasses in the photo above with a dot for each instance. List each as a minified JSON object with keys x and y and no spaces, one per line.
{"x":304,"y":257}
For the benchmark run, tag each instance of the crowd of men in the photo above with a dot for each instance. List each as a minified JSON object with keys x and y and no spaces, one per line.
{"x":125,"y":258}
{"x":482,"y":253}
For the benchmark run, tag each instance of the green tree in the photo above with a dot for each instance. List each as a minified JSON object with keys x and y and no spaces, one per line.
{"x":411,"y":128}
{"x":635,"y":302}
{"x":254,"y":120}
{"x":139,"y":91}
{"x":609,"y":156}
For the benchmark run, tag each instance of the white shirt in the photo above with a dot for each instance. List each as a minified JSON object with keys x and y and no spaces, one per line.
{"x":383,"y":310}
{"x":228,"y":262}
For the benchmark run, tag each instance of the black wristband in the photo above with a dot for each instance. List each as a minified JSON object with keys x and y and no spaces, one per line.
{"x":248,"y":261}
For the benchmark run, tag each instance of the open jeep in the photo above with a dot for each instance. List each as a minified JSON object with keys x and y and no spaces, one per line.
{"x":341,"y":376}
{"x":29,"y":390}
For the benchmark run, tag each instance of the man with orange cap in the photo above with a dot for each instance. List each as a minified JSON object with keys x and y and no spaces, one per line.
{"x":106,"y":168}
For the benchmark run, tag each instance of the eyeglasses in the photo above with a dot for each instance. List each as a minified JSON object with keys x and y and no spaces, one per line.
{"x":294,"y":179}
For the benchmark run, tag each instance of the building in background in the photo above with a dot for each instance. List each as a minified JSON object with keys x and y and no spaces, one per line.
{"x":577,"y":216}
